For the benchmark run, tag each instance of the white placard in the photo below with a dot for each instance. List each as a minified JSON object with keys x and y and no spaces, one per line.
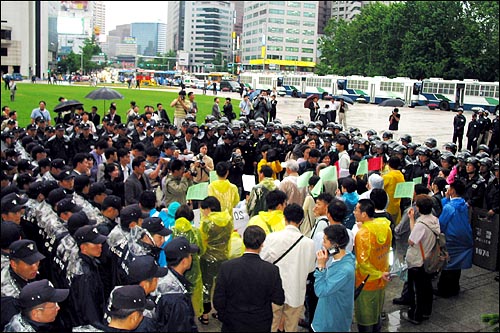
{"x":241,"y":218}
{"x":197,"y":217}
{"x":248,"y":182}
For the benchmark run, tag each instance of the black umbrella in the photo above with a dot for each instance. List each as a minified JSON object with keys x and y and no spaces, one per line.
{"x":359,"y":288}
{"x":309,"y":100}
{"x":393,"y":102}
{"x":105,"y":94}
{"x":345,"y":98}
{"x":67,"y":105}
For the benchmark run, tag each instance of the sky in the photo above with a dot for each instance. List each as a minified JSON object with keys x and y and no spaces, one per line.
{"x":126,"y":12}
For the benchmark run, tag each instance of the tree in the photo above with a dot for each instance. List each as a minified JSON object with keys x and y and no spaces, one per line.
{"x":418,"y":39}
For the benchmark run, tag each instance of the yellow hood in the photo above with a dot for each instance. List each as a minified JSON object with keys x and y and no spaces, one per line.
{"x":220,"y":218}
{"x":183,"y":225}
{"x":274,"y":218}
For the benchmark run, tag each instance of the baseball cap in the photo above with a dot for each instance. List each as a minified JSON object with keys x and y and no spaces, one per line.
{"x":155,"y":225}
{"x":88,"y":234}
{"x":68,"y":205}
{"x":39,"y":292}
{"x":10,"y":232}
{"x":144,"y":268}
{"x":179,"y":247}
{"x":78,"y":220}
{"x":31,"y":127}
{"x":98,"y":188}
{"x":34,"y":189}
{"x":58,"y":163}
{"x":131,"y":213}
{"x":85,"y":126}
{"x":60,"y":127}
{"x":13,"y":202}
{"x":25,"y":250}
{"x":56,"y":195}
{"x":65,"y":175}
{"x":112,"y":201}
{"x":130,"y":297}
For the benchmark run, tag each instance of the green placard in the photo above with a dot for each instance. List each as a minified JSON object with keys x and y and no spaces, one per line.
{"x":328,"y":173}
{"x":318,"y":188}
{"x":404,"y":190}
{"x":362,"y":168}
{"x":417,"y":180}
{"x":197,"y":192}
{"x":303,"y":180}
{"x":213,"y":176}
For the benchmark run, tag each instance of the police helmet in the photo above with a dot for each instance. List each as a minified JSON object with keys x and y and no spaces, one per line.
{"x":330,"y":125}
{"x":488,"y":162}
{"x":387,"y":135}
{"x":474,"y":161}
{"x":423,"y":150}
{"x":299,"y":121}
{"x":244,"y":119}
{"x":406,"y":137}
{"x":371,"y":132}
{"x":496,"y":166}
{"x":400,"y":149}
{"x":430,"y":142}
{"x":209,"y":118}
{"x":224,"y":120}
{"x":484,"y":148}
{"x":189,"y":117}
{"x":337,"y":127}
{"x":462,"y":156}
{"x":451,"y":147}
{"x":412,"y":145}
{"x":374,"y":138}
{"x":482,"y":154}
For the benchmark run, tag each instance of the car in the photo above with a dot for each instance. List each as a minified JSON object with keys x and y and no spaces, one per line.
{"x":228,"y":85}
{"x":281,"y":91}
{"x":16,"y":77}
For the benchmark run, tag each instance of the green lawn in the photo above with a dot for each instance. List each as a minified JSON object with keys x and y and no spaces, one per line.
{"x":28,"y":95}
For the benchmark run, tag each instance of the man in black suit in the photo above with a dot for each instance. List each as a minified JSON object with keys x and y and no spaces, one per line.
{"x":243,"y":304}
{"x":188,"y":145}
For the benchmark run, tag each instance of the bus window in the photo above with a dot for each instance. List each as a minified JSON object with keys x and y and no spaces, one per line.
{"x":417,"y":88}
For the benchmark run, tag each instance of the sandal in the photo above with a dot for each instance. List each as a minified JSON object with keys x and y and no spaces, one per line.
{"x":202,"y":320}
{"x":215,"y":315}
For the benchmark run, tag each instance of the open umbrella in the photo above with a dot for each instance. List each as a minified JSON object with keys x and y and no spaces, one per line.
{"x":393,"y":102}
{"x":66,"y":106}
{"x":104,"y":93}
{"x":309,"y":100}
{"x":345,"y":98}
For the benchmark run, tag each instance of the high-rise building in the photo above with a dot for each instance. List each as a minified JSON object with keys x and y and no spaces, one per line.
{"x":99,"y":17}
{"x":347,"y":10}
{"x":280,"y":35}
{"x":150,"y":38}
{"x":203,"y":30}
{"x":28,"y":39}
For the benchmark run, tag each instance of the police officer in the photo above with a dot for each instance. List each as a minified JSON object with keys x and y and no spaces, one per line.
{"x":38,"y":303}
{"x":24,"y":262}
{"x":86,"y":300}
{"x":458,"y":128}
{"x":10,"y":233}
{"x":60,"y":145}
{"x":475,"y":185}
{"x":424,"y":167}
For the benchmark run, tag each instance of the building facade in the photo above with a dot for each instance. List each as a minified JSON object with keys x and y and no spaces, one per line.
{"x":150,"y":38}
{"x":203,"y":29}
{"x":280,"y":35}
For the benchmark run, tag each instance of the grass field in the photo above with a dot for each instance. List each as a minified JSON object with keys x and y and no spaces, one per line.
{"x":28,"y":96}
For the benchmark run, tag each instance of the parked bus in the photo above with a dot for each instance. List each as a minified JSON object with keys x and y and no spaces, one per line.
{"x":452,"y":94}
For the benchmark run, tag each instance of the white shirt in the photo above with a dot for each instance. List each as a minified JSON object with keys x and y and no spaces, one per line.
{"x":295,"y":266}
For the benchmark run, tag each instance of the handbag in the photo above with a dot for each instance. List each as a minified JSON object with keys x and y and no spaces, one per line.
{"x":289,"y":249}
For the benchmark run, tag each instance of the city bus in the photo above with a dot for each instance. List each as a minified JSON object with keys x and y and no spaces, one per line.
{"x":452,"y":94}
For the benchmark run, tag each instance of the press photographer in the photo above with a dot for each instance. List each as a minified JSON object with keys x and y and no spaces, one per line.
{"x":236,"y":170}
{"x":202,"y":165}
{"x":175,"y":185}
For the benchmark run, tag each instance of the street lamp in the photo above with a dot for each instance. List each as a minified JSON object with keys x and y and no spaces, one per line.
{"x":81,"y":61}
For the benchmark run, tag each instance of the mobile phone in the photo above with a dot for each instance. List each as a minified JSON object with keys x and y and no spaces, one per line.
{"x":333,"y":250}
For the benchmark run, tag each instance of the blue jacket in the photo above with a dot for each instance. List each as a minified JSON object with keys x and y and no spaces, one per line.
{"x":454,"y":223}
{"x":351,"y":200}
{"x":335,"y":290}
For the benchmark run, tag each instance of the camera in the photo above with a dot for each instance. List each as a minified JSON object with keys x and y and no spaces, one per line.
{"x":236,"y":158}
{"x":192,"y":172}
{"x":200,"y":159}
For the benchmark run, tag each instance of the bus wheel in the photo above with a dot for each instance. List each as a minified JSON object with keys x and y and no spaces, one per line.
{"x":323,"y":95}
{"x":444,"y":106}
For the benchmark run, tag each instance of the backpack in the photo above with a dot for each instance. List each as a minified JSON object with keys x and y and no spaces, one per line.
{"x":439,"y":256}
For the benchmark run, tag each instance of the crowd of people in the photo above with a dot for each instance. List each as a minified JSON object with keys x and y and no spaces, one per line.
{"x":98,"y":233}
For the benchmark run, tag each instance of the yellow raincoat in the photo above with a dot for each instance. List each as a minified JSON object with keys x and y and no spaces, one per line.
{"x":185,"y":229}
{"x":372,"y":244}
{"x":269,"y":221}
{"x":391,"y":180}
{"x":276,"y":166}
{"x":216,"y":230}
{"x":226,"y":193}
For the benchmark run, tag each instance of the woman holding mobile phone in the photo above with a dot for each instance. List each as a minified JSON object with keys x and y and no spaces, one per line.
{"x":334,"y":282}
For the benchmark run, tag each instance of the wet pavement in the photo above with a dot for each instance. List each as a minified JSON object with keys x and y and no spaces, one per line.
{"x":462,"y":313}
{"x":479,"y":290}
